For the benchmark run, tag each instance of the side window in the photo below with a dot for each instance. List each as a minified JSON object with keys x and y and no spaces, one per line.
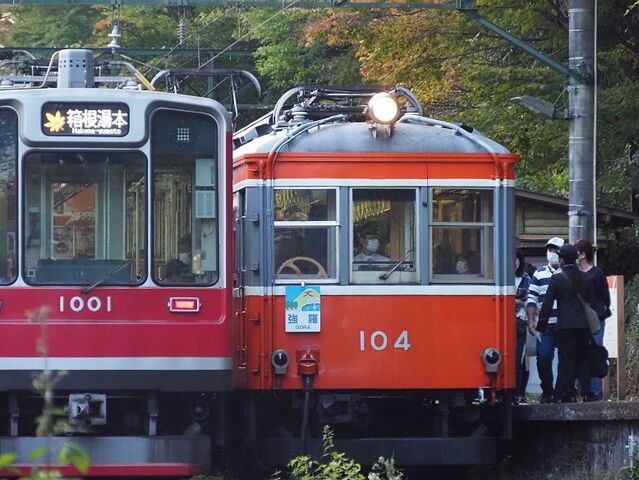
{"x":462,"y":235}
{"x":305,"y":234}
{"x":185,"y":190}
{"x":384,"y":246}
{"x":8,"y":205}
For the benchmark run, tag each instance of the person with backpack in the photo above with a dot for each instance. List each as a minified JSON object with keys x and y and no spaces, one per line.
{"x":572,"y":329}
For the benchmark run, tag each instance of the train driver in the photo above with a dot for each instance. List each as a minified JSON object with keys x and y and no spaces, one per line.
{"x":369,"y":248}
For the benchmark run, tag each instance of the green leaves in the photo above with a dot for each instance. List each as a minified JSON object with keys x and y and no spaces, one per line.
{"x":336,"y":465}
{"x":73,"y":455}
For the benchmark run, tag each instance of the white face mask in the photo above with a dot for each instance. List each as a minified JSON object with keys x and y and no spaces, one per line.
{"x":553,"y":258}
{"x":185,"y":258}
{"x":462,"y":266}
{"x":372,"y":245}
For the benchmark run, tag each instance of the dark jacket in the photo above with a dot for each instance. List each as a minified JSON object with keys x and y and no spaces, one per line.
{"x":570,"y":313}
{"x":600,"y":295}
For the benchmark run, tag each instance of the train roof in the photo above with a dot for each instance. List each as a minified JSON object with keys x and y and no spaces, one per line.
{"x":337,"y":120}
{"x":406,"y":137}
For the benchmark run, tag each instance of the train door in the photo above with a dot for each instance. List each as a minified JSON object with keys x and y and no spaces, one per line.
{"x":8,"y":196}
{"x":185,"y":191}
{"x":239,"y":298}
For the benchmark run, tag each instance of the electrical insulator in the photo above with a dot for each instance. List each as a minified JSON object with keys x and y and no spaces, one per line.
{"x":181,"y":31}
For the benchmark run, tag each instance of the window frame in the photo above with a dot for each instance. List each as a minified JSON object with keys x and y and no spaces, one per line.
{"x":219,"y":200}
{"x":372,"y":277}
{"x":29,"y":280}
{"x":487,"y":233}
{"x":331,"y":224}
{"x":16,"y":200}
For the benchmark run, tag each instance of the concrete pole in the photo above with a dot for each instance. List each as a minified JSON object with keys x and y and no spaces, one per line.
{"x":581,"y":103}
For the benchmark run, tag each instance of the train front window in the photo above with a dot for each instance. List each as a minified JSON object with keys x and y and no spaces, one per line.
{"x":384,"y":248}
{"x":84,"y":218}
{"x":462,"y":235}
{"x":8,"y":195}
{"x":185,"y":193}
{"x":305,"y":234}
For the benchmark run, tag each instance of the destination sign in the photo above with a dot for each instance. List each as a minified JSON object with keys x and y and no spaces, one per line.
{"x":85,"y":119}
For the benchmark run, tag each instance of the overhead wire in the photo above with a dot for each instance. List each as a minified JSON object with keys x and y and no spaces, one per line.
{"x":250,"y":32}
{"x":228,"y":47}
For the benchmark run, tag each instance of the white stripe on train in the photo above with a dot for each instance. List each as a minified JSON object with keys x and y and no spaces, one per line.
{"x":363,"y":182}
{"x":117,"y":363}
{"x":390,"y":290}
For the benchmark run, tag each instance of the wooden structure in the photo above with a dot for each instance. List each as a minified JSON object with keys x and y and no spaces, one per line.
{"x":540,"y":216}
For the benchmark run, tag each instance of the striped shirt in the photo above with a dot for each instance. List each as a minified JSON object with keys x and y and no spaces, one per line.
{"x":537,"y":290}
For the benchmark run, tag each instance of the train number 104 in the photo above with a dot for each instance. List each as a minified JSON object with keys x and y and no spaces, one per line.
{"x":378,"y":341}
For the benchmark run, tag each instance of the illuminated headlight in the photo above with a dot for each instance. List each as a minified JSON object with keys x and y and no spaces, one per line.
{"x":491,"y":358}
{"x":384,"y":108}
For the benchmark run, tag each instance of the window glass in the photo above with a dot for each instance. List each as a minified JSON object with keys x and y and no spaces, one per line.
{"x":8,"y":196}
{"x":85,"y":218}
{"x":305,"y":234}
{"x":462,"y":235}
{"x":384,"y":236}
{"x":185,"y":210}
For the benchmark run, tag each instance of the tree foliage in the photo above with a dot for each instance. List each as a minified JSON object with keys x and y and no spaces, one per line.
{"x":459,"y":70}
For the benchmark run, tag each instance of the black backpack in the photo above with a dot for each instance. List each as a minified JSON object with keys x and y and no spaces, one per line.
{"x":598,"y":359}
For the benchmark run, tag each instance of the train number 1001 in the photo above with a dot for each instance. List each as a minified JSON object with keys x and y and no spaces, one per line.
{"x":378,"y":341}
{"x":79,"y":304}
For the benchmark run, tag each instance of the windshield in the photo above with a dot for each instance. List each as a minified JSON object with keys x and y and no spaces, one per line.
{"x":85,"y":217}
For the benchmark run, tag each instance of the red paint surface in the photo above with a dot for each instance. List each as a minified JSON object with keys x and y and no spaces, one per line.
{"x":132,"y":470}
{"x":139,"y":325}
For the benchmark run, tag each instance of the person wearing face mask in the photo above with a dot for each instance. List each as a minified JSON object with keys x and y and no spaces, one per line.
{"x":462,"y":265}
{"x":522,"y":284}
{"x":568,"y":290}
{"x":369,"y":247}
{"x":546,"y":340}
{"x":599,"y":300}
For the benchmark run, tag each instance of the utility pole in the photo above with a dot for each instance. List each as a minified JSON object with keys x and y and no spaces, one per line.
{"x":580,"y":74}
{"x":581,"y":111}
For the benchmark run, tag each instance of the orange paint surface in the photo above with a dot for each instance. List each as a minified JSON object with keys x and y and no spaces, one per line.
{"x":441,"y":349}
{"x":378,"y":166}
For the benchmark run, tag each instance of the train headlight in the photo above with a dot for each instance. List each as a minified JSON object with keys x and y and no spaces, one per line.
{"x":280,"y":360}
{"x":491,"y":358}
{"x":384,"y":108}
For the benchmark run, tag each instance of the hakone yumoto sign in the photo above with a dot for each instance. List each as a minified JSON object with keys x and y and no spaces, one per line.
{"x":302,"y":313}
{"x":85,"y":119}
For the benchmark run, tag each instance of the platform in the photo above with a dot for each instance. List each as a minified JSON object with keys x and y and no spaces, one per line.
{"x":607,"y":411}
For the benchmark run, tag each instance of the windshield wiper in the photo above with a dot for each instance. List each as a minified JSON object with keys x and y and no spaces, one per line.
{"x":99,"y":282}
{"x":389,"y":272}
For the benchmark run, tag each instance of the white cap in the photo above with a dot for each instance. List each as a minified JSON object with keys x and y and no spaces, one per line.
{"x":555,"y":242}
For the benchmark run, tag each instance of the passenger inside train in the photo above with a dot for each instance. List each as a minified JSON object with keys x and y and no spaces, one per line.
{"x":369,"y":256}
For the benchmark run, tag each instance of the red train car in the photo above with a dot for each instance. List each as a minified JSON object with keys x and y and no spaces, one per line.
{"x":114,"y":208}
{"x":375,"y":266}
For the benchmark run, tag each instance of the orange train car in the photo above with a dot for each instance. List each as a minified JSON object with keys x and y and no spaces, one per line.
{"x":374,"y":271}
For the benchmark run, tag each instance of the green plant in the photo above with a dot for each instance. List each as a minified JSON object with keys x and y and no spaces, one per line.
{"x":335,"y":465}
{"x":49,"y":422}
{"x":385,"y":469}
{"x":631,"y":472}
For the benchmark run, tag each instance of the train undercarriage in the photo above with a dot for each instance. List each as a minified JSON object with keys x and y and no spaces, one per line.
{"x":124,"y":434}
{"x":463,"y":427}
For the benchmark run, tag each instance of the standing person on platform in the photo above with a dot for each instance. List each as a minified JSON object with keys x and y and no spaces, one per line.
{"x":572,"y":329}
{"x":547,"y":340}
{"x":599,"y":300}
{"x":522,"y":284}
